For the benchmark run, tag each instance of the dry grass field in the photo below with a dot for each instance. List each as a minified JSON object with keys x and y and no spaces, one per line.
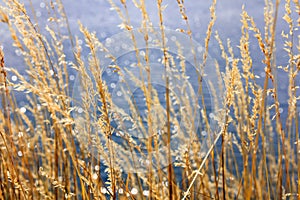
{"x":153,"y":138}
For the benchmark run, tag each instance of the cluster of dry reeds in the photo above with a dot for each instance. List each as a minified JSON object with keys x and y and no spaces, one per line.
{"x":48,"y":152}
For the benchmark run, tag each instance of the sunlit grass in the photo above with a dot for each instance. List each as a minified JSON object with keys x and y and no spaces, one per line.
{"x":77,"y":141}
